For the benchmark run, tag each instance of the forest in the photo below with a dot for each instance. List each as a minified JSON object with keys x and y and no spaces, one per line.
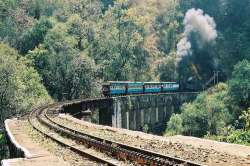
{"x":54,"y":50}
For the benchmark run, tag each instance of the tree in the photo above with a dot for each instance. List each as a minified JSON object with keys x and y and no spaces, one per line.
{"x":195,"y":120}
{"x":82,"y":81}
{"x":246,"y":118}
{"x":239,"y":84}
{"x":80,"y":29}
{"x":119,"y":45}
{"x":20,"y":86}
{"x":174,"y":125}
{"x":89,"y":10}
{"x":232,"y":45}
{"x":167,"y":69}
{"x":8,"y":66}
{"x":34,"y":36}
{"x":168,"y":25}
{"x":67,"y":73}
{"x":209,"y":113}
{"x":106,"y":4}
{"x":241,"y":136}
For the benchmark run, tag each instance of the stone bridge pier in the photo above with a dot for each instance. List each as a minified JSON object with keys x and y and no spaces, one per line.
{"x":154,"y":110}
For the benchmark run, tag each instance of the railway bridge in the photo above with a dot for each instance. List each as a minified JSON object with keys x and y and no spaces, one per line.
{"x":131,"y":112}
{"x":94,"y":143}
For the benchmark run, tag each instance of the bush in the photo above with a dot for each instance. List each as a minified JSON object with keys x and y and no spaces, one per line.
{"x":34,"y":36}
{"x":145,"y":128}
{"x":2,"y":147}
{"x":20,"y":85}
{"x":2,"y":141}
{"x":174,"y":125}
{"x":208,"y":114}
{"x":67,"y":73}
{"x":245,"y":116}
{"x":239,"y":85}
{"x":239,"y":137}
{"x":195,"y":120}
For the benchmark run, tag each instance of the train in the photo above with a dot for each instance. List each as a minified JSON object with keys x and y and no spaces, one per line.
{"x":119,"y":88}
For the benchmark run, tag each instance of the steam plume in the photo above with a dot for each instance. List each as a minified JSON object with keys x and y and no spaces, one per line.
{"x":196,"y":21}
{"x":183,"y":48}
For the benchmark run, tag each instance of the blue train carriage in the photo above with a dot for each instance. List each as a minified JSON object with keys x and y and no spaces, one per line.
{"x":118,"y":88}
{"x":135,"y":87}
{"x":170,"y":87}
{"x":152,"y":87}
{"x":113,"y":88}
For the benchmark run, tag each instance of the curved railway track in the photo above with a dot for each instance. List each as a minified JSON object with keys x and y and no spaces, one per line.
{"x":36,"y":115}
{"x":117,"y":150}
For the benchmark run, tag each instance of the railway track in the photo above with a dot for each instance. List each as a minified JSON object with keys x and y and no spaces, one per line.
{"x":36,"y":116}
{"x":117,"y":150}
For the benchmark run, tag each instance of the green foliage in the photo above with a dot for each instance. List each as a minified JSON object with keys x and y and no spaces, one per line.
{"x":128,"y":38}
{"x":20,"y":86}
{"x":239,"y":137}
{"x":2,"y":146}
{"x":87,"y":10}
{"x":208,"y":114}
{"x":2,"y":140}
{"x":239,"y":85}
{"x":29,"y":90}
{"x":145,"y":128}
{"x":167,"y":70}
{"x":246,"y":118}
{"x":81,"y":30}
{"x":168,"y":26}
{"x":34,"y":36}
{"x":119,"y":46}
{"x":174,"y":125}
{"x":73,"y":44}
{"x":195,"y":120}
{"x":67,"y":73}
{"x":232,"y":45}
{"x":107,"y":3}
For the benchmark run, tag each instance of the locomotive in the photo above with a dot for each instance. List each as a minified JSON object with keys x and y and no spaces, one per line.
{"x":116,"y":88}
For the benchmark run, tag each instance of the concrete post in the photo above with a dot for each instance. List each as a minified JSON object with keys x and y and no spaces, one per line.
{"x":127,"y":120}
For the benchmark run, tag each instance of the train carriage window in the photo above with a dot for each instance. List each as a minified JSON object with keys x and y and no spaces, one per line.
{"x":117,"y":87}
{"x":176,"y":86}
{"x":136,"y":86}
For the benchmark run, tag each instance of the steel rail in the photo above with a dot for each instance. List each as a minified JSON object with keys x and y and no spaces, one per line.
{"x":35,"y":114}
{"x":115,"y":149}
{"x":119,"y":150}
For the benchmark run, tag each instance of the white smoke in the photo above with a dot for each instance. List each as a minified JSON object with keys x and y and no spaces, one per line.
{"x":183,"y":48}
{"x":196,"y":21}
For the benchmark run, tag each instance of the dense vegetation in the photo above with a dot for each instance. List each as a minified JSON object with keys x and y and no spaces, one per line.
{"x":222,"y":112}
{"x":66,"y":48}
{"x":2,"y":147}
{"x":20,"y":86}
